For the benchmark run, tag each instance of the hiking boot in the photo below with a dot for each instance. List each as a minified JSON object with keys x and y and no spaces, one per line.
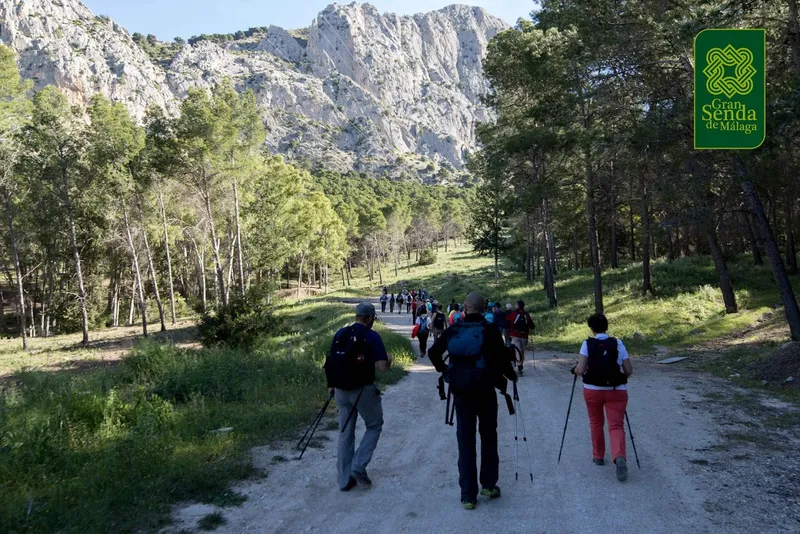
{"x":492,"y":493}
{"x":350,"y":484}
{"x":622,"y":469}
{"x":599,"y":461}
{"x":469,"y":505}
{"x":363,"y":479}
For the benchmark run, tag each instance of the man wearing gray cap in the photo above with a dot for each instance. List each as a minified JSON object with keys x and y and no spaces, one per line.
{"x":350,"y":368}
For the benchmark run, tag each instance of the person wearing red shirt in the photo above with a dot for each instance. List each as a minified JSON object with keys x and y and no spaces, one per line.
{"x":520,"y":327}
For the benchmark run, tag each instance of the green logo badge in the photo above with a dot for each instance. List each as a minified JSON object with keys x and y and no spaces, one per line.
{"x":730,"y":97}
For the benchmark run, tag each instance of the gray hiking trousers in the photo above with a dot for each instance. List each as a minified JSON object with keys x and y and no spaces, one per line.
{"x":351,"y":461}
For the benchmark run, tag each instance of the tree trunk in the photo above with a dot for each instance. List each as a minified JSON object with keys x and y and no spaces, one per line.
{"x":215,"y":250}
{"x":592,"y":223}
{"x":633,"y":229}
{"x":549,"y":278}
{"x":166,"y":248}
{"x":380,"y":269}
{"x":344,"y":282}
{"x":152,"y":269}
{"x":646,"y":278}
{"x":791,"y":251}
{"x":553,"y":258}
{"x":133,"y":300}
{"x":115,"y":308}
{"x":230,"y":262}
{"x":747,"y":222}
{"x":300,"y":275}
{"x":614,"y":259}
{"x":575,"y":248}
{"x":136,"y":271}
{"x":50,"y":290}
{"x":794,"y":36}
{"x":76,"y":255}
{"x":528,"y":249}
{"x":781,"y":277}
{"x":728,"y":295}
{"x":201,"y":268}
{"x":12,"y":238}
{"x":238,"y":237}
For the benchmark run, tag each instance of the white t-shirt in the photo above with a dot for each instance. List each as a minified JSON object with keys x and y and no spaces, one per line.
{"x":622,"y":354}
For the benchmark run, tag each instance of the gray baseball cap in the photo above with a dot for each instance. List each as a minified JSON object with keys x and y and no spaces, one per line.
{"x":365,"y":309}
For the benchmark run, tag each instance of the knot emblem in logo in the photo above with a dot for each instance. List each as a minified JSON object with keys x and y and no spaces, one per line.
{"x":718,"y":83}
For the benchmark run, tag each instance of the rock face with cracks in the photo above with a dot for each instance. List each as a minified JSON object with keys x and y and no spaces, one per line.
{"x":357,"y":90}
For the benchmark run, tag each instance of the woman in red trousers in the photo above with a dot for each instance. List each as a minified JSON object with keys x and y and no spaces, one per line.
{"x":605,"y":367}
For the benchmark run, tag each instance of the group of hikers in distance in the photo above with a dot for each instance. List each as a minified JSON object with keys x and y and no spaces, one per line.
{"x":475,"y":349}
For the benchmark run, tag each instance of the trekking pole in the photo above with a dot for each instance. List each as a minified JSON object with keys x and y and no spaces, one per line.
{"x":352,"y":410}
{"x":636,"y":454}
{"x":524,"y":433}
{"x":516,"y":441}
{"x":574,"y":380}
{"x":447,"y":409}
{"x":314,"y":424}
{"x":319,"y":416}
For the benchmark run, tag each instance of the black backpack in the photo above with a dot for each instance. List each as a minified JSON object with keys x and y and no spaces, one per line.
{"x":521,"y":326}
{"x":603,"y":369}
{"x":350,"y":363}
{"x":467,"y":366}
{"x":438,"y":321}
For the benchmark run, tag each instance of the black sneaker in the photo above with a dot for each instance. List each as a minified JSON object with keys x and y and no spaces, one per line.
{"x":622,"y":469}
{"x":601,"y":461}
{"x":363,"y":479}
{"x":350,"y":485}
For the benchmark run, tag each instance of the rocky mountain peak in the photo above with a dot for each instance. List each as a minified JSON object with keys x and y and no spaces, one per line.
{"x":357,"y":89}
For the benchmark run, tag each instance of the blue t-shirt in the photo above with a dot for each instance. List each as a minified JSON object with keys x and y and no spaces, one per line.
{"x":375,"y":341}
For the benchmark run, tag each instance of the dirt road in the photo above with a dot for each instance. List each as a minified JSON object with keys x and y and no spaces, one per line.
{"x":415,"y":475}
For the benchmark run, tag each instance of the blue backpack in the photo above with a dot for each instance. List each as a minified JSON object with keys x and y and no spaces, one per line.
{"x":467,"y":365}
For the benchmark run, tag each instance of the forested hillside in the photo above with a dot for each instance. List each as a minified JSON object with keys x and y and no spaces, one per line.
{"x":591,"y":159}
{"x":108,"y":222}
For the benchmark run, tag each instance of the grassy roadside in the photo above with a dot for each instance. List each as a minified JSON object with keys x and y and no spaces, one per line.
{"x":111,"y":449}
{"x":687,"y":309}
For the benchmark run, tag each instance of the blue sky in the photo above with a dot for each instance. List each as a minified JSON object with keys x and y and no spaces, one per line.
{"x":183,"y":18}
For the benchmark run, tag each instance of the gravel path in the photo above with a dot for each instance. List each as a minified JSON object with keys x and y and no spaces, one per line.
{"x":415,"y":476}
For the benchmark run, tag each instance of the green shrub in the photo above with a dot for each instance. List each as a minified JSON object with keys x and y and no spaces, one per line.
{"x":239,"y":324}
{"x":427,"y":257}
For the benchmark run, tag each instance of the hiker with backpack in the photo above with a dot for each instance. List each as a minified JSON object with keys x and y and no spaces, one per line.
{"x":424,"y":325}
{"x":605,"y":367}
{"x":520,"y":327}
{"x":438,"y":323}
{"x":384,"y":300}
{"x":400,"y":299}
{"x":478,"y":361}
{"x":408,"y":303}
{"x":456,"y":316}
{"x":350,"y":370}
{"x":391,"y":303}
{"x":489,"y":313}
